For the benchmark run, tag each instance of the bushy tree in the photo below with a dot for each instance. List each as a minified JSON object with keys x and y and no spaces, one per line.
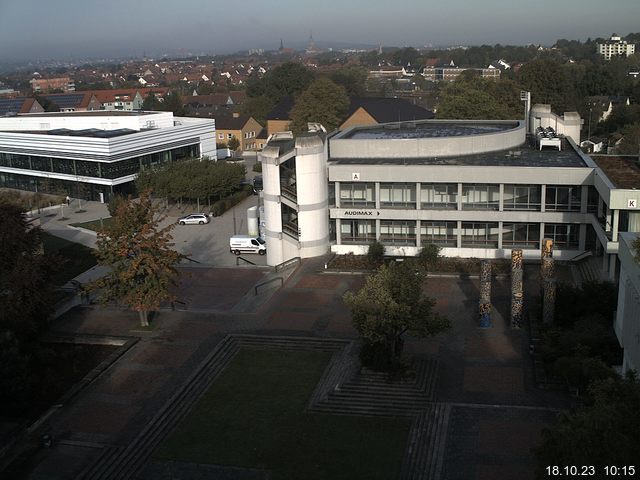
{"x":375,"y":253}
{"x":234,"y":144}
{"x":287,"y":79}
{"x":606,"y":431}
{"x":142,"y":263}
{"x":390,"y":304}
{"x":549,"y":83}
{"x":25,"y":292}
{"x":471,"y":97}
{"x":353,"y":79}
{"x":323,"y":102}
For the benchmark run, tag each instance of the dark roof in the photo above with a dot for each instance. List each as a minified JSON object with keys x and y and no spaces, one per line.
{"x":14,"y":105}
{"x":66,"y":100}
{"x":92,"y":132}
{"x":385,"y":110}
{"x":282,"y":109}
{"x":624,"y":172}
{"x":229,"y":122}
{"x":525,"y":156}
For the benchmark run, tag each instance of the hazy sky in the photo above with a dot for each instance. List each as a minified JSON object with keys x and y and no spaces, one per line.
{"x":38,"y":29}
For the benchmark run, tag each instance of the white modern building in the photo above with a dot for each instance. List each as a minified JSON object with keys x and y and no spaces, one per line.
{"x":616,"y":47}
{"x":94,"y":154}
{"x":627,"y":323}
{"x":475,"y":188}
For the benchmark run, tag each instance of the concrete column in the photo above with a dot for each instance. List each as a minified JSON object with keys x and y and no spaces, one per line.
{"x":541,"y":234}
{"x":484,"y":307}
{"x":459,"y":234}
{"x":543,"y":199}
{"x":338,"y":231}
{"x":584,"y":197}
{"x":459,"y":196}
{"x":377,"y":194}
{"x":418,"y":197}
{"x":549,"y":300}
{"x":616,"y":221}
{"x":517,"y":288}
{"x":582,"y":237}
{"x":499,"y":234}
{"x":378,"y":229}
{"x":337,"y":194}
{"x":612,"y":267}
{"x":501,"y":201}
{"x":418,"y":235}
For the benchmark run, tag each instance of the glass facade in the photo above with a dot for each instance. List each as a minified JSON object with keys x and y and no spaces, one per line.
{"x":398,"y":232}
{"x":522,"y":197}
{"x":358,"y":195}
{"x":439,"y":196}
{"x":521,"y":235}
{"x":563,"y":235}
{"x":357,"y":231}
{"x":82,"y":168}
{"x":563,"y":198}
{"x":444,"y":234}
{"x":87,"y":168}
{"x":480,"y":197}
{"x":480,"y":234}
{"x":398,"y":195}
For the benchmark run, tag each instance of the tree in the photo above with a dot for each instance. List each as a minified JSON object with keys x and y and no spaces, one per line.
{"x":630,"y":144}
{"x":606,"y":431}
{"x":234,"y":143}
{"x":258,"y":108}
{"x":390,"y":304}
{"x":548,"y":82}
{"x":471,"y":97}
{"x":151,"y":103}
{"x":323,"y":102}
{"x":286,"y":79}
{"x":139,"y":254}
{"x":353,"y":79}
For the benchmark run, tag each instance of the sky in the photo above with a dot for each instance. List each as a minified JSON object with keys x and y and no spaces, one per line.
{"x":67,"y":29}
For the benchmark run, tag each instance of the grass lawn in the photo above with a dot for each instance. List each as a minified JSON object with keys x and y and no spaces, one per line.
{"x":253,"y":416}
{"x":94,"y":224}
{"x":78,"y":258}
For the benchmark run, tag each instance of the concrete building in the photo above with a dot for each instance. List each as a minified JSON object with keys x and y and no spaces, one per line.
{"x":475,"y":188}
{"x":95,"y":154}
{"x":616,"y":47}
{"x":627,"y":322}
{"x":44,"y":85}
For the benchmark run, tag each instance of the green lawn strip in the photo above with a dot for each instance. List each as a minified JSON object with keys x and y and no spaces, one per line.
{"x":94,"y":225}
{"x":77,"y":258}
{"x":253,"y":416}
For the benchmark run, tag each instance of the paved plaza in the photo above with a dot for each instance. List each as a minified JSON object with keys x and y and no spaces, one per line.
{"x":492,"y":413}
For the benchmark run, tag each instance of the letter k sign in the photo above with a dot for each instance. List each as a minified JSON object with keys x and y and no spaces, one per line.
{"x":632,"y":203}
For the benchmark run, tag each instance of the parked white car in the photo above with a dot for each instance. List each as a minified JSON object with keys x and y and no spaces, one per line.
{"x":194,"y":219}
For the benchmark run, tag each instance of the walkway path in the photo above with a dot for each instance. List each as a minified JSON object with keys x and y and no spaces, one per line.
{"x":486,"y":411}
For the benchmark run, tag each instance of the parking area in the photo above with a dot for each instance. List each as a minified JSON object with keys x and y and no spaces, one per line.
{"x":209,"y":244}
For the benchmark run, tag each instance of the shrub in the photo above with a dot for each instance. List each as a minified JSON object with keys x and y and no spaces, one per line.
{"x":257,"y":167}
{"x":221,"y":206}
{"x":429,"y":255}
{"x":114,"y":202}
{"x":375,"y":254}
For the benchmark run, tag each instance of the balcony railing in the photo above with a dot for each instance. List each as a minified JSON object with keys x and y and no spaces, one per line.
{"x":291,"y":229}
{"x":289,"y":191}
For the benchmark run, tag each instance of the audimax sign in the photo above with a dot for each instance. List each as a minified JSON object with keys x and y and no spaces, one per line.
{"x":361,"y":213}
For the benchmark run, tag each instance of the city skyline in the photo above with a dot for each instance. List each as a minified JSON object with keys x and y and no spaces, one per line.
{"x":70,"y":28}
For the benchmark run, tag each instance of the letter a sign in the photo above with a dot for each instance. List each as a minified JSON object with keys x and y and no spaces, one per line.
{"x":355,"y":177}
{"x":632,"y":203}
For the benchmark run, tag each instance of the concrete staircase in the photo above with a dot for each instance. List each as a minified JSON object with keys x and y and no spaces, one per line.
{"x":344,"y":389}
{"x":588,"y":270}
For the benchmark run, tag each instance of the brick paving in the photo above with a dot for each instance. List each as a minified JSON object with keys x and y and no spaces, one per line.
{"x":476,"y":366}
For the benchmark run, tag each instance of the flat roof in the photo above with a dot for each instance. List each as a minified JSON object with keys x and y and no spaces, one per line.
{"x":428,"y":129}
{"x":525,"y":156}
{"x":624,"y":172}
{"x":92,"y":113}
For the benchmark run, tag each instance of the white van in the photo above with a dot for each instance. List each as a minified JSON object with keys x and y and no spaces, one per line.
{"x":247,"y":244}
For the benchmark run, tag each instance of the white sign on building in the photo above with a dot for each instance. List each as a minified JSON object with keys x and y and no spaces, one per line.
{"x":632,"y":203}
